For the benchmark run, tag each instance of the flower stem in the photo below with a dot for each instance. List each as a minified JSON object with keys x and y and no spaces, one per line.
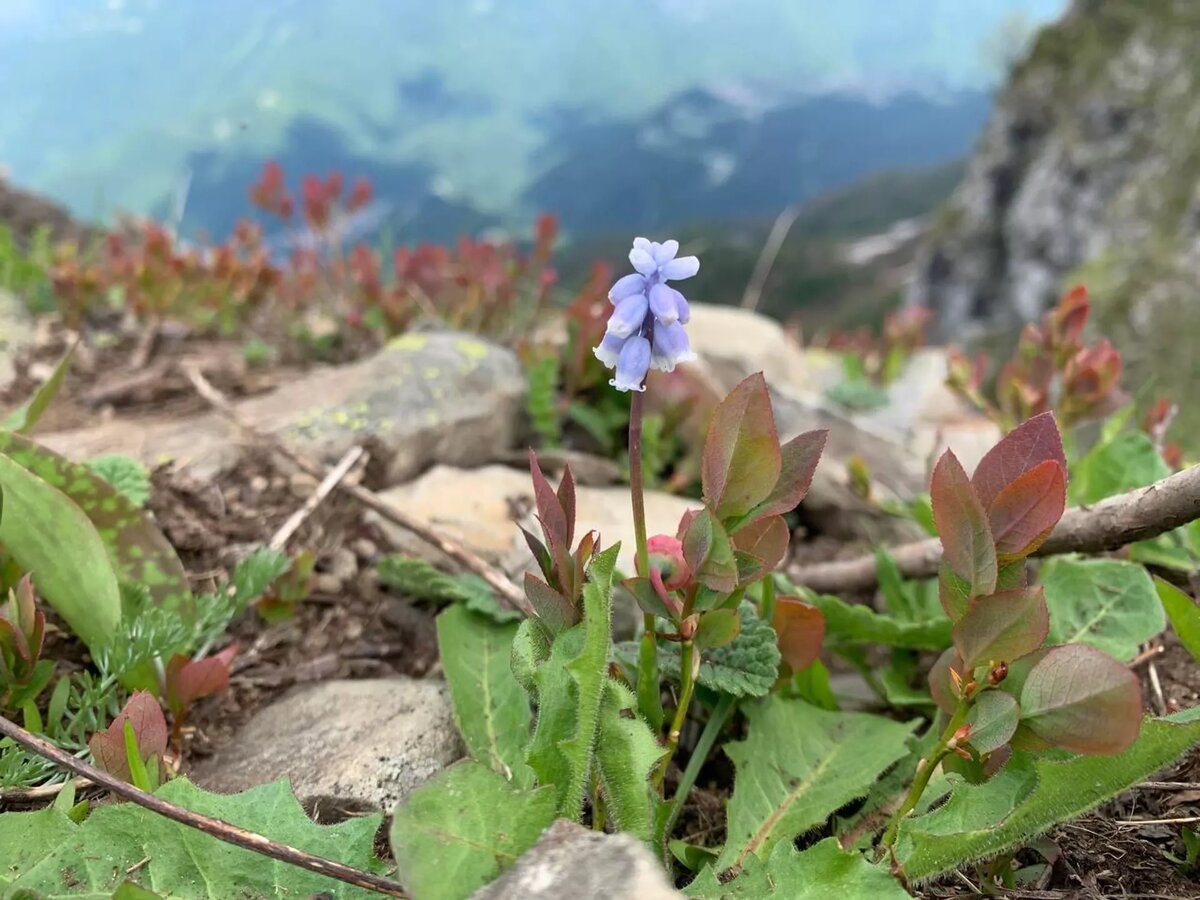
{"x":766,"y":610}
{"x":712,"y":730}
{"x":689,"y":663}
{"x":648,"y":686}
{"x":925,"y":771}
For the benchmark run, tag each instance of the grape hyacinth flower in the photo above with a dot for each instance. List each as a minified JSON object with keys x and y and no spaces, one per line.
{"x":646,"y":329}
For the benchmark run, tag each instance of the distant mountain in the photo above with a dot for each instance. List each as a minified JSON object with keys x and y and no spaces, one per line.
{"x":470,"y":113}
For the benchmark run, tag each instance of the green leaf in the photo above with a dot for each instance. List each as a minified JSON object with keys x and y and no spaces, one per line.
{"x":48,"y":535}
{"x":742,"y":458}
{"x":253,"y":575}
{"x":490,"y":707}
{"x":570,"y":687}
{"x":139,"y":551}
{"x":1107,"y":603}
{"x":822,"y":871}
{"x":1184,"y":615}
{"x":126,"y":475}
{"x":28,"y":836}
{"x":1002,"y":627}
{"x":717,"y":628}
{"x":417,"y":578}
{"x":459,"y":831}
{"x":747,"y":667}
{"x":993,"y":719}
{"x":1026,"y":798}
{"x":799,"y":765}
{"x":1130,"y":460}
{"x":626,"y":752}
{"x":855,"y":623}
{"x":23,"y":419}
{"x":122,"y":841}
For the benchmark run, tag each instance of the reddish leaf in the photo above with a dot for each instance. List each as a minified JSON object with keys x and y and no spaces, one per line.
{"x":1028,"y":445}
{"x":1024,"y":513}
{"x":652,"y":598}
{"x":698,"y":539}
{"x":1012,"y":575}
{"x":540,"y":553}
{"x":190,"y":679}
{"x":742,"y":458}
{"x":801,"y":629}
{"x":765,"y":539}
{"x":549,"y":509}
{"x":993,"y":719}
{"x":967,"y":544}
{"x":1002,"y":627}
{"x":718,"y":628}
{"x":1082,"y":699}
{"x":798,"y":462}
{"x":149,"y":726}
{"x":941,"y":686}
{"x":566,"y":500}
{"x":555,"y":610}
{"x":953,"y":592}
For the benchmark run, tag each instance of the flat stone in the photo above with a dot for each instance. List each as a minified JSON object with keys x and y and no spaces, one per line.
{"x":355,"y":745}
{"x":572,"y":861}
{"x":16,"y":333}
{"x":733,"y":343}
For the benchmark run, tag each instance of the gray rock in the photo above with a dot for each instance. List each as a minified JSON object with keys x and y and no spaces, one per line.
{"x":16,"y":333}
{"x":572,"y":861}
{"x":358,"y":745}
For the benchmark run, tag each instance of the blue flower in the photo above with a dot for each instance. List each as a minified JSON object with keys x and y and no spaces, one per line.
{"x":645,"y":329}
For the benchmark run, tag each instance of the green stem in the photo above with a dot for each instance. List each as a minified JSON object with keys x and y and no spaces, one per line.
{"x":767,"y":608}
{"x":712,"y":730}
{"x":648,"y":684}
{"x":687,"y":678}
{"x":925,"y":771}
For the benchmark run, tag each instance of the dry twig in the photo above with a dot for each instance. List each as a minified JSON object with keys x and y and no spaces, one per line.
{"x":1137,"y":515}
{"x":324,"y":489}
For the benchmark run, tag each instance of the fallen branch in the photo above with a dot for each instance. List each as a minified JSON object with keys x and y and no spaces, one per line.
{"x":324,"y":489}
{"x":509,"y":593}
{"x":217,"y":828}
{"x":1137,"y":515}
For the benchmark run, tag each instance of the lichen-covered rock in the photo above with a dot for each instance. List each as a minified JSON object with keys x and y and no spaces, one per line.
{"x":572,"y":861}
{"x":359,"y":745}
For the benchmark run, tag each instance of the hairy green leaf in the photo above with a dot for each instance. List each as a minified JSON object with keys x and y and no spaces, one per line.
{"x":1108,"y":603}
{"x":459,"y":831}
{"x":490,"y":707}
{"x":51,"y":537}
{"x":797,"y":766}
{"x":122,"y":841}
{"x":626,"y":752}
{"x":822,"y":871}
{"x":126,"y":475}
{"x":1184,"y":615}
{"x":747,"y":667}
{"x":1028,"y":797}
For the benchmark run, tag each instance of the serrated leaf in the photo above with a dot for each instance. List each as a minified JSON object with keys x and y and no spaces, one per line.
{"x":748,"y":667}
{"x":1184,"y":615}
{"x":1029,"y":444}
{"x":139,"y":551}
{"x":419,"y":579}
{"x":530,"y":648}
{"x":123,"y":841}
{"x":1020,"y":803}
{"x":126,"y":475}
{"x":822,"y":871}
{"x":490,"y":707}
{"x":1026,"y":511}
{"x":854,"y":623}
{"x":626,"y":752}
{"x":1108,"y":603}
{"x":1082,"y":699}
{"x":742,"y":458}
{"x":1002,"y":627}
{"x":459,"y":831}
{"x":24,"y":418}
{"x":254,"y":574}
{"x":967,"y":544}
{"x":993,"y":719}
{"x":48,"y":535}
{"x":797,"y":766}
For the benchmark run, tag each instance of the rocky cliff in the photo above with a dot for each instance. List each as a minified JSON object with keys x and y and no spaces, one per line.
{"x":1089,"y":170}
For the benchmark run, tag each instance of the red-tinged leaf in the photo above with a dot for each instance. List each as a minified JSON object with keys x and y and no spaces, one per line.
{"x":685,"y":522}
{"x":1082,"y":699}
{"x":540,"y":553}
{"x":967,"y":544}
{"x":742,"y":458}
{"x":583,"y":559}
{"x":941,"y":685}
{"x":190,"y":679}
{"x":993,"y":719}
{"x":566,"y":500}
{"x":1029,"y":444}
{"x":800,"y":628}
{"x":1002,"y":627}
{"x":149,"y":726}
{"x":749,"y":567}
{"x":1024,"y":513}
{"x":1012,"y":575}
{"x":549,"y":509}
{"x":650,"y":599}
{"x":555,"y":610}
{"x":718,"y":628}
{"x":767,"y":539}
{"x":953,"y":592}
{"x":698,"y":539}
{"x":798,"y":462}
{"x":719,"y":571}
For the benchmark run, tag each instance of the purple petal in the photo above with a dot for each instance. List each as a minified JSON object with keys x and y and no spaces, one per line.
{"x":628,"y":315}
{"x":678,"y":269}
{"x":632,"y":365}
{"x":662,"y":304}
{"x":626,"y":287}
{"x":665,"y":252}
{"x":609,"y":349}
{"x":681,"y":304}
{"x":643,"y":261}
{"x":671,"y":347}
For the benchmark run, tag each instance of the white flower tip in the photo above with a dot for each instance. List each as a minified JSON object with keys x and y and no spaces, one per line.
{"x":626,"y":387}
